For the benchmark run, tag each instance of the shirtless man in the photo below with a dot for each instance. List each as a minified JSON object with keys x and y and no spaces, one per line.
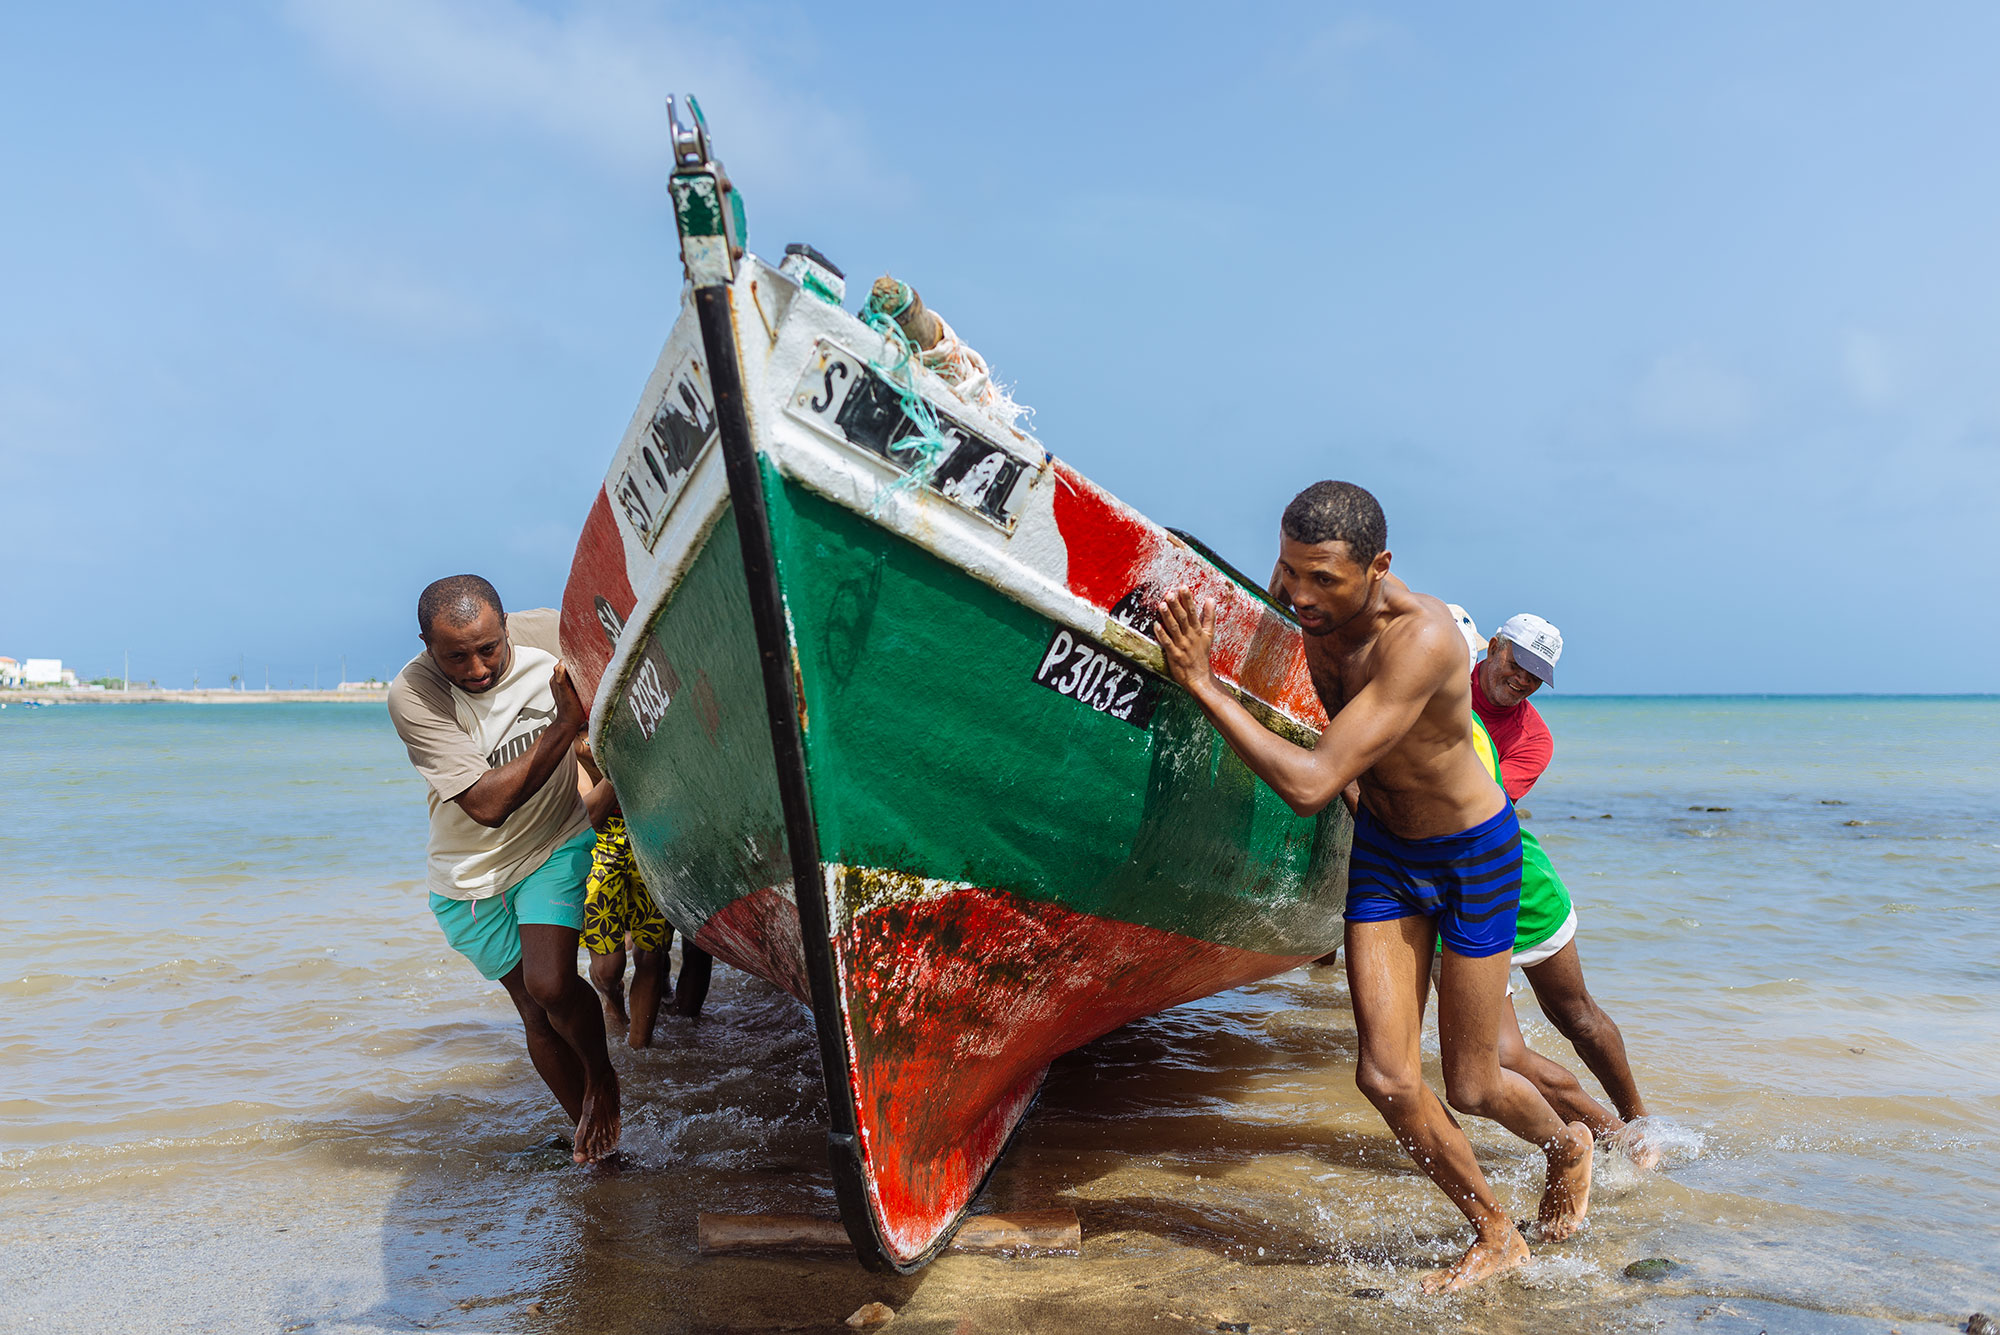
{"x":1437,"y":852}
{"x":488,"y":715}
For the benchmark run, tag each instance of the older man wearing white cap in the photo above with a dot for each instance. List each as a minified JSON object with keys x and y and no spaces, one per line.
{"x":1520,"y":659}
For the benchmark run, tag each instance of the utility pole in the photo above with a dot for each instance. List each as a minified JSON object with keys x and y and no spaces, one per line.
{"x":343,"y":669}
{"x":128,"y":669}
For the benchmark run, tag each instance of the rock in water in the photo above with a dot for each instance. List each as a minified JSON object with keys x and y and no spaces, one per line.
{"x":1653,"y":1267}
{"x":1981,"y":1324}
{"x":543,"y":1155}
{"x":871,"y":1316}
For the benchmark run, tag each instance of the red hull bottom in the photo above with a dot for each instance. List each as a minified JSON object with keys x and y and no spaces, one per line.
{"x":955,"y":1006}
{"x":759,"y":934}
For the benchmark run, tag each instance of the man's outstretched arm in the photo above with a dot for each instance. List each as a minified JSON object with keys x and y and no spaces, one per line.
{"x":501,"y":792}
{"x":1355,"y":738}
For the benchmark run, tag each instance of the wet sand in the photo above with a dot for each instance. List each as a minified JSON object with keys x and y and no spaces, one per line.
{"x":1223,"y":1168}
{"x":247,"y":1088}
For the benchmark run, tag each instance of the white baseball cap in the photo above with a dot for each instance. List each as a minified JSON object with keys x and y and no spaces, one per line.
{"x":1537,"y":644}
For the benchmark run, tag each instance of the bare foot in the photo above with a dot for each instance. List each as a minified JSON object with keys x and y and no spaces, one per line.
{"x":1566,"y":1200}
{"x":1485,"y":1258}
{"x":1638,"y":1146}
{"x":615,"y":1018}
{"x":597,"y":1129}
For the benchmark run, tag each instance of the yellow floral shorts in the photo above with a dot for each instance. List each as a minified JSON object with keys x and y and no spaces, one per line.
{"x":615,"y":900}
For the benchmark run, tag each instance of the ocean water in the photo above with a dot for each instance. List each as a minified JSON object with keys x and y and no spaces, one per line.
{"x":245,"y":1086}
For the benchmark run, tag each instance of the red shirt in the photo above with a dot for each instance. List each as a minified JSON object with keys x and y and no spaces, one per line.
{"x":1519,"y":735}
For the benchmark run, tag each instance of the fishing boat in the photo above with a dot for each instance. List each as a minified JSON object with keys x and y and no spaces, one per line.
{"x":871,"y":672}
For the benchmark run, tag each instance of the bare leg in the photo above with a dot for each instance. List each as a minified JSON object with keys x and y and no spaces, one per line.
{"x":692,"y":989}
{"x":555,"y":1061}
{"x":649,"y":969}
{"x":1388,"y":964}
{"x":548,"y":965}
{"x":1471,"y":994}
{"x":1554,"y":1082}
{"x":607,"y":975}
{"x":1559,"y":987}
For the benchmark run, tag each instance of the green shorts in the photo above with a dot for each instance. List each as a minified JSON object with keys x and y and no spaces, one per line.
{"x":1545,"y":909}
{"x":1545,"y":906}
{"x":488,"y":931}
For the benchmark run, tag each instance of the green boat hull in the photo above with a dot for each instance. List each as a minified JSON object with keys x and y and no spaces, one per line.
{"x":1008,"y":872}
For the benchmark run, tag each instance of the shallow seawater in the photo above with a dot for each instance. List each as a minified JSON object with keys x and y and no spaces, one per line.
{"x":245,"y":1086}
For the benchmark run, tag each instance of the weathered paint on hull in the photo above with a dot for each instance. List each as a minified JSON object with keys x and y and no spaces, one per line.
{"x":1010,"y":872}
{"x":995,"y":871}
{"x":598,"y":575}
{"x":700,"y":793}
{"x":933,"y":753}
{"x":972,"y":994}
{"x":759,"y":934}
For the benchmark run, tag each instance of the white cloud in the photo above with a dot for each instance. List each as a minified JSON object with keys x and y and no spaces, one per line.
{"x":1326,"y":62}
{"x":1868,"y":368}
{"x":377,"y":292}
{"x":1345,"y":36}
{"x":349,"y":277}
{"x":594,"y":78}
{"x":1687,"y":393}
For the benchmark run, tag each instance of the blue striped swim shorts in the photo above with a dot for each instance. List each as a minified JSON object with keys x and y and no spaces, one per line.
{"x":1468,"y":883}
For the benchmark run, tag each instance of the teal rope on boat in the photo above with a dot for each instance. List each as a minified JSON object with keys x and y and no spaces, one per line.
{"x":929,"y":441}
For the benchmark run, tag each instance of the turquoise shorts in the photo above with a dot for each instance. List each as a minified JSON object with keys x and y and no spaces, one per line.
{"x":488,"y":931}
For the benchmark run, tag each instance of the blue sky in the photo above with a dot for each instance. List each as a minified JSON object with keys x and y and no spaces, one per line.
{"x":1676,"y":324}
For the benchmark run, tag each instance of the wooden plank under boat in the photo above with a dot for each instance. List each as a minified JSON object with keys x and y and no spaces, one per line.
{"x":888,"y":731}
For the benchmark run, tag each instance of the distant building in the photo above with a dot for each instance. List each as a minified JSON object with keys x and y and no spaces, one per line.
{"x":45,"y":672}
{"x":10,"y":671}
{"x":370,"y":685}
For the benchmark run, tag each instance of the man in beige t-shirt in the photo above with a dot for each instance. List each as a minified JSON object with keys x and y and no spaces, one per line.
{"x":488,"y":715}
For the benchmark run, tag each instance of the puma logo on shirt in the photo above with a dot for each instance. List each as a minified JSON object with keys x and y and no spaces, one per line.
{"x":521,"y":743}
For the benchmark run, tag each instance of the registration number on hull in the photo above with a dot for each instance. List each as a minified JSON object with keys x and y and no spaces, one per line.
{"x":1084,"y":670}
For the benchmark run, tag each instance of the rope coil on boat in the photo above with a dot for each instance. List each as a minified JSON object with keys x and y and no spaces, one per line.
{"x":929,"y":441}
{"x":919,"y":335}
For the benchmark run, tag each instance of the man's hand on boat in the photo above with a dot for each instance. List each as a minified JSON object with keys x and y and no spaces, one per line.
{"x":1185,"y":629}
{"x":501,"y":791}
{"x":571,"y":717}
{"x":1307,"y":778}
